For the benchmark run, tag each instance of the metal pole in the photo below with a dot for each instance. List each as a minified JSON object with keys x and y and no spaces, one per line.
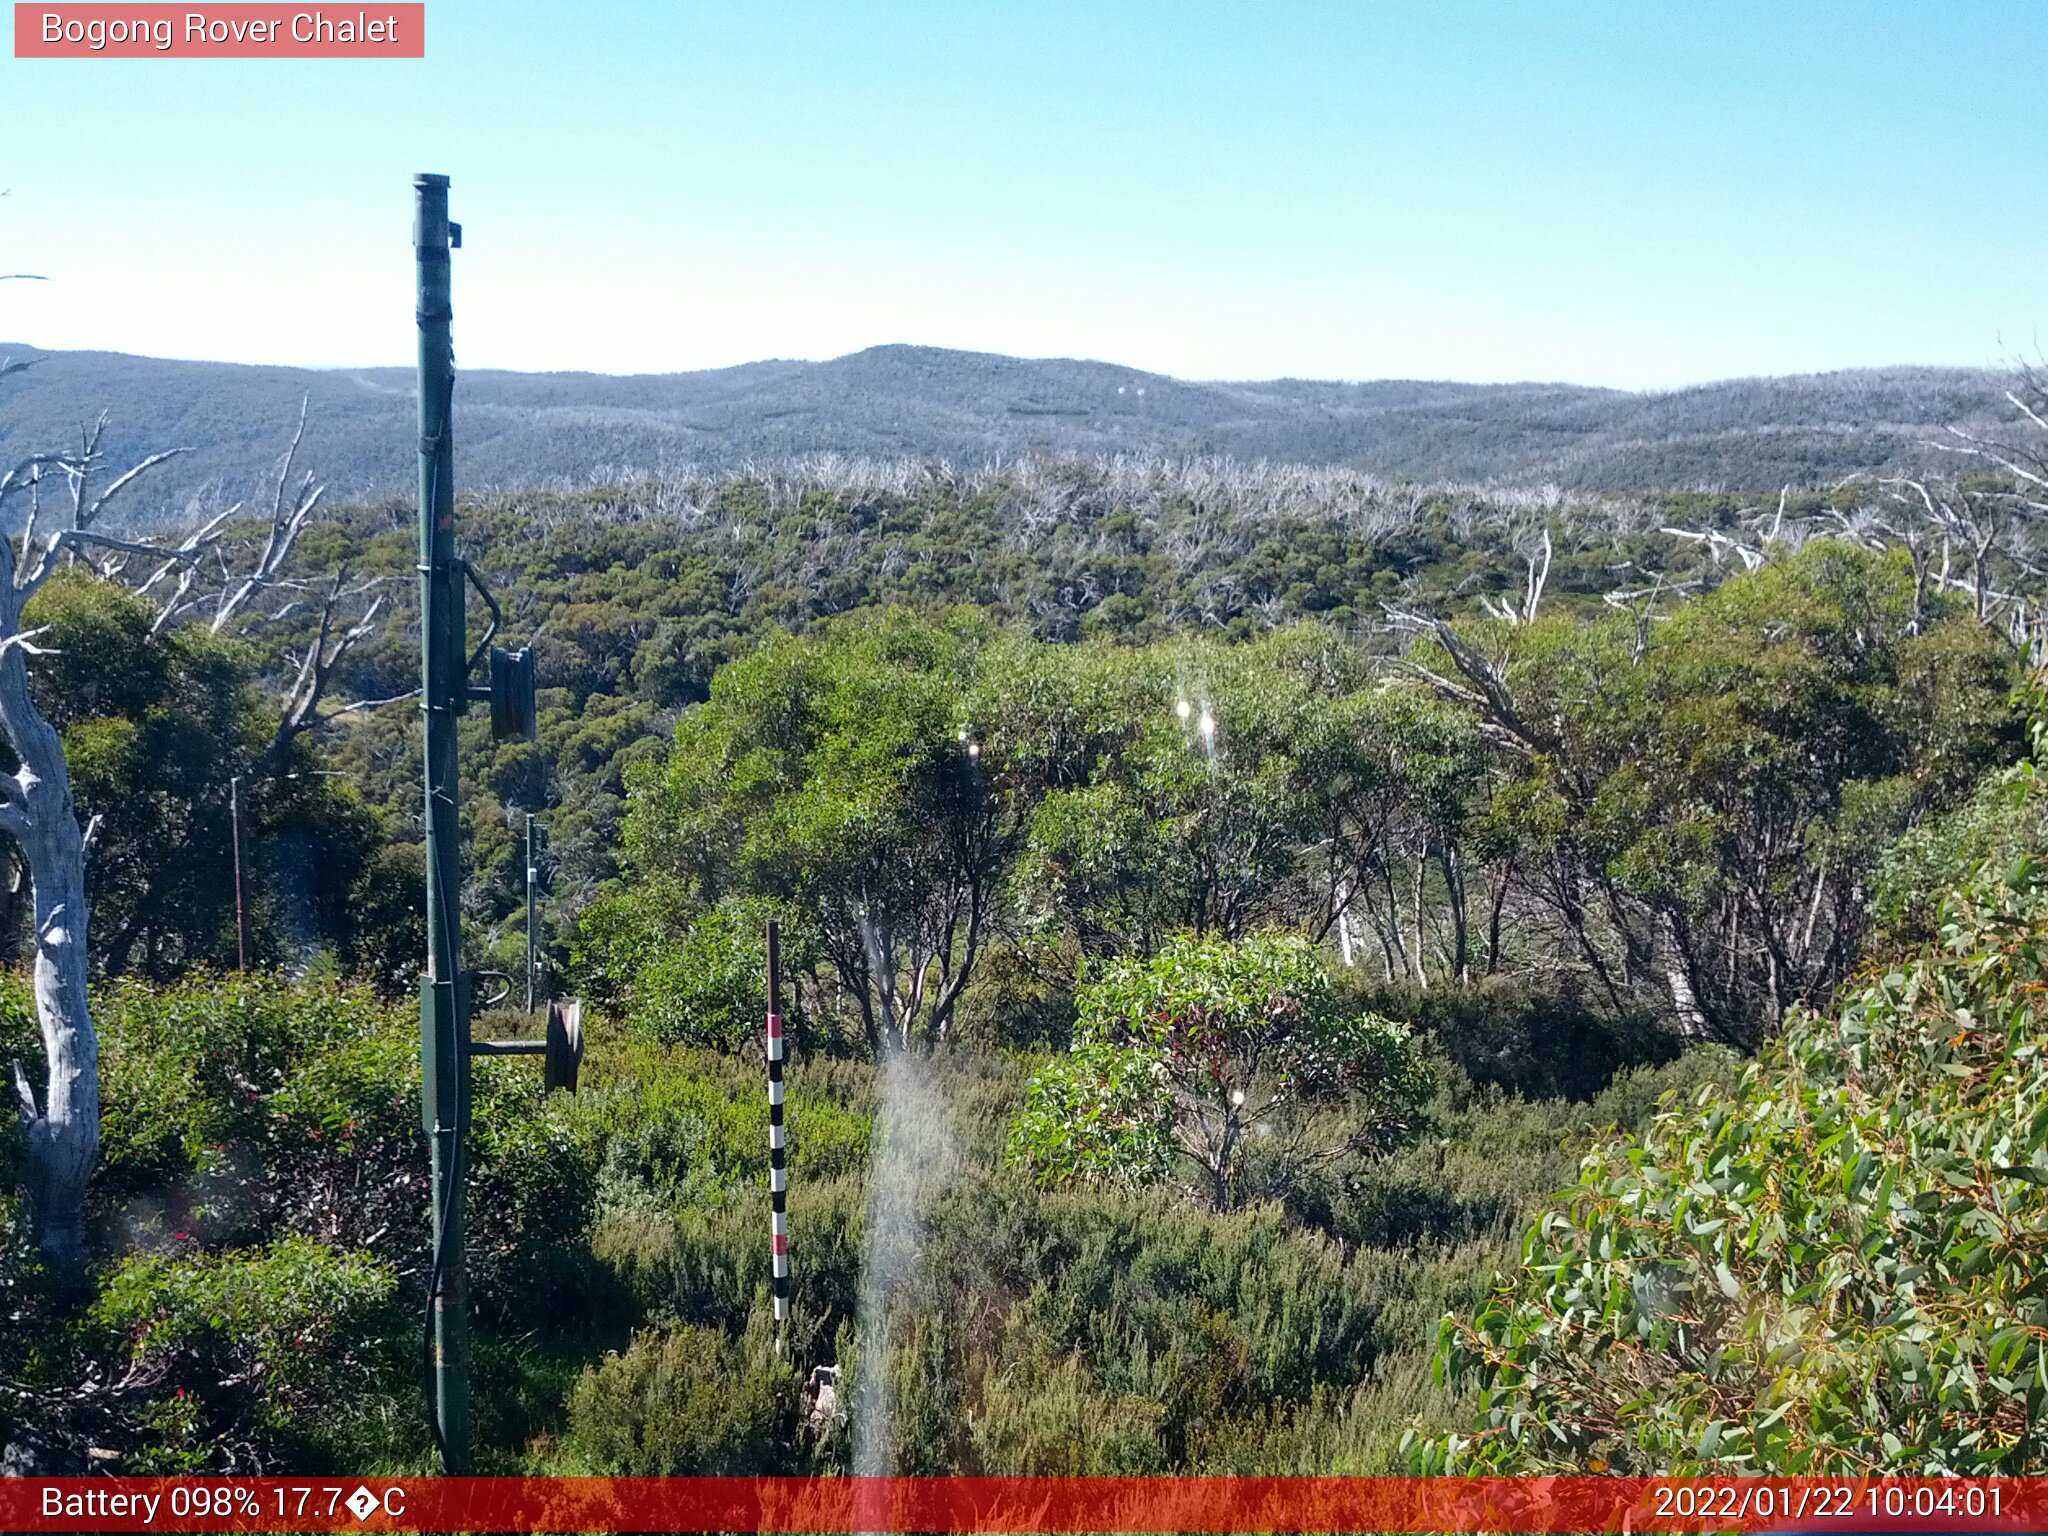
{"x":444,"y":996}
{"x":241,"y":908}
{"x":532,"y":917}
{"x":778,"y":1170}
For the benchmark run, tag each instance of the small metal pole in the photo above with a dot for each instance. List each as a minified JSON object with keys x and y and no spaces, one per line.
{"x":532,"y":917}
{"x":241,"y":906}
{"x":778,"y":1168}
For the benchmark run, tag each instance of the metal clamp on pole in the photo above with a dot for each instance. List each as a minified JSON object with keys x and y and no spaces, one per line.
{"x":510,"y":690}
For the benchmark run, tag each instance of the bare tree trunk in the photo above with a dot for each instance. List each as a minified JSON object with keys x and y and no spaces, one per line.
{"x":1692,"y":1019}
{"x":63,"y":1136}
{"x":1421,"y":926}
{"x":1454,"y":897}
{"x":1493,"y":917}
{"x":1393,"y":932}
{"x":64,"y":1141}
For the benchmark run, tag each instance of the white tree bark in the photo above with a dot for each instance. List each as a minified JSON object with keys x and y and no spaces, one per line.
{"x":62,"y":1132}
{"x":63,"y":1135}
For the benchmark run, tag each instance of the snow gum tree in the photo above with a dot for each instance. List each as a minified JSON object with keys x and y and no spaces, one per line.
{"x":62,"y":1131}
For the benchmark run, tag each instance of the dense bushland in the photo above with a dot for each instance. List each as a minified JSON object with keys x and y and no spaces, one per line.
{"x":1283,"y":884}
{"x":636,"y":594}
{"x":261,"y":1221}
{"x":1678,"y":820}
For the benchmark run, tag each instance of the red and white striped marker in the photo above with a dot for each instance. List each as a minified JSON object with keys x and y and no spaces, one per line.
{"x":778,"y":1163}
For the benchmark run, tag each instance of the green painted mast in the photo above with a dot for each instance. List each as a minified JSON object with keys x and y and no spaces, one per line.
{"x":444,"y":999}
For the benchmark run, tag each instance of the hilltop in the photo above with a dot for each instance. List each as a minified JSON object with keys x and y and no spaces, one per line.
{"x":521,"y":429}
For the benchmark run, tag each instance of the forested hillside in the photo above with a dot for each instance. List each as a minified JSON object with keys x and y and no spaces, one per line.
{"x":971,"y":408}
{"x":1221,"y":906}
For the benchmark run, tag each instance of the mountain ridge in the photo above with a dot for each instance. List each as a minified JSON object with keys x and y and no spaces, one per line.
{"x":903,"y":400}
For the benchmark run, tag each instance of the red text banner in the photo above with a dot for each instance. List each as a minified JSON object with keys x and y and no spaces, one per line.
{"x":1161,"y":1504}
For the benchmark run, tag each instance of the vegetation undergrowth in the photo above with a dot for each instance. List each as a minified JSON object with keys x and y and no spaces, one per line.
{"x":1838,"y":1267}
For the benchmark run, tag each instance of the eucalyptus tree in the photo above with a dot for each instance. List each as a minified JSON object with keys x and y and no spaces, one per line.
{"x":1233,"y":1056}
{"x":1212,"y":789}
{"x":837,"y":777}
{"x":1703,"y":800}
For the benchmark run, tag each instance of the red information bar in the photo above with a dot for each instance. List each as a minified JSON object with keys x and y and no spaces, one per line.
{"x":1113,"y":1504}
{"x":226,"y":31}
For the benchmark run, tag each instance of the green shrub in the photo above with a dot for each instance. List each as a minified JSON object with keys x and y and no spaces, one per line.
{"x":690,"y":1121}
{"x":1022,"y":997}
{"x":1236,"y":1056}
{"x":533,"y":1188}
{"x":701,"y":1261}
{"x":238,"y":1108}
{"x":1539,"y":1042}
{"x":1058,"y":1423}
{"x":1101,"y":1114}
{"x":686,"y":1401}
{"x":2001,"y":822}
{"x":292,"y":1329}
{"x":1839,"y":1267}
{"x":707,"y":990}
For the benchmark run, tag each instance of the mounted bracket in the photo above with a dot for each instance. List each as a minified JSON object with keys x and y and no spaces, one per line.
{"x":562,"y":1050}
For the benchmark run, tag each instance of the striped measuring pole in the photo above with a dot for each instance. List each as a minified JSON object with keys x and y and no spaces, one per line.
{"x":778,"y":1154}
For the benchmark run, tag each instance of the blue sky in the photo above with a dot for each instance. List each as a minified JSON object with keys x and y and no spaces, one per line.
{"x":1642,"y":195}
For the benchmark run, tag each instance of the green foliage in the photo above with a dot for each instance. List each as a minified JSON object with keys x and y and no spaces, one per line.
{"x":1705,"y":797}
{"x":1060,"y":1423}
{"x":239,"y":1108}
{"x":155,"y":724}
{"x":685,"y":1402}
{"x":295,"y":1326}
{"x":827,"y":778}
{"x":688,"y":1122}
{"x":1835,"y":1268}
{"x":627,"y":931}
{"x":953,"y":819}
{"x":706,"y":990}
{"x":1209,"y":788}
{"x":1235,"y":1054}
{"x":1100,"y":1114}
{"x":1242,"y":1342}
{"x":262,"y":1156}
{"x":2003,"y":821}
{"x":1519,"y":1035}
{"x":685,"y":1170}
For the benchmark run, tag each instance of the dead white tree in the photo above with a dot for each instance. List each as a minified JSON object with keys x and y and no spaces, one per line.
{"x":62,"y":1132}
{"x":1536,"y":554}
{"x":1720,"y":545}
{"x":1644,"y":604}
{"x":216,"y":588}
